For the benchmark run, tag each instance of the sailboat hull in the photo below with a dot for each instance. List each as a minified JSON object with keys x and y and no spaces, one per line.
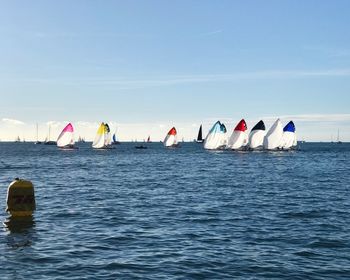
{"x":69,"y":147}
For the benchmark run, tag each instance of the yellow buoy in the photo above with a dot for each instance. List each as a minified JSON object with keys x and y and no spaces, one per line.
{"x":20,"y":198}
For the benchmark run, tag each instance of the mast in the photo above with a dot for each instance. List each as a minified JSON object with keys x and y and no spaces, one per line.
{"x":338,"y":136}
{"x":37,"y":132}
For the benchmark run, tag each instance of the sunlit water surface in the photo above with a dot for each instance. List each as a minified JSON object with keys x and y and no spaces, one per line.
{"x":181,"y":213}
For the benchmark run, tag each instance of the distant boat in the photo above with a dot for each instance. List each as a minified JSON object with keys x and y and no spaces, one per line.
{"x":37,"y":135}
{"x":171,"y":138}
{"x":149,"y":139}
{"x":239,"y":137}
{"x":289,"y":138}
{"x":273,"y":138}
{"x":338,"y":139}
{"x":48,"y":140}
{"x":66,"y":139}
{"x":115,"y":141}
{"x":200,"y":135}
{"x":141,"y":147}
{"x":216,"y":138}
{"x":81,"y":139}
{"x":102,"y":139}
{"x":256,"y":136}
{"x":17,"y":140}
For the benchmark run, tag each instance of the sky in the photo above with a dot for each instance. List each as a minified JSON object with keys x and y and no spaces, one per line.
{"x":145,"y":66}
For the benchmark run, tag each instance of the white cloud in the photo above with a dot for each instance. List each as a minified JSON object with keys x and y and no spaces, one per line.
{"x":54,"y":124}
{"x":12,"y":121}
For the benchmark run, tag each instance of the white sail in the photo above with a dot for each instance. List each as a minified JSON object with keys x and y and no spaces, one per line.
{"x":295,"y":143}
{"x":256,"y":139}
{"x":239,"y":137}
{"x":170,"y":140}
{"x":66,"y":137}
{"x":237,"y":140}
{"x":216,"y":138}
{"x":273,"y":138}
{"x":288,"y":140}
{"x":108,"y":135}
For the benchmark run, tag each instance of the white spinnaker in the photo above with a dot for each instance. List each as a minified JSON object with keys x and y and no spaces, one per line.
{"x":288,"y":140}
{"x":99,"y":141}
{"x":108,"y":139}
{"x":295,"y":143}
{"x":66,"y":138}
{"x":215,"y":139}
{"x":170,"y":140}
{"x":273,"y":138}
{"x":237,"y":140}
{"x":256,"y":138}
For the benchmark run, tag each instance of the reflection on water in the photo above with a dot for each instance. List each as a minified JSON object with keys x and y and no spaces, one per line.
{"x":20,"y":231}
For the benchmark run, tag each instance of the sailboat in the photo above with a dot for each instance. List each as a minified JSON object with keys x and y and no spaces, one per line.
{"x":171,"y":138}
{"x":115,"y":141}
{"x":289,"y":138}
{"x":338,"y":139}
{"x":273,"y":138}
{"x":200,"y":136}
{"x":239,"y":137}
{"x":37,"y":135}
{"x":66,"y":138}
{"x":102,"y":139}
{"x":216,"y":138}
{"x":256,"y":136}
{"x":48,"y":141}
{"x":18,"y":139}
{"x":149,"y":139}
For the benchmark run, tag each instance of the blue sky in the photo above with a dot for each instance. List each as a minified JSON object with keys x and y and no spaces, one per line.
{"x":148,"y":65}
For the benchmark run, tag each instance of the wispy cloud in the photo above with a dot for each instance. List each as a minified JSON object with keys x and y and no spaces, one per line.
{"x":210,"y":33}
{"x":72,"y":35}
{"x":160,"y":81}
{"x":325,"y":118}
{"x":12,"y":121}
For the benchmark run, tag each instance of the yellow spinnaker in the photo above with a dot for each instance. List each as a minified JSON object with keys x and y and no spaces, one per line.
{"x":101,"y":130}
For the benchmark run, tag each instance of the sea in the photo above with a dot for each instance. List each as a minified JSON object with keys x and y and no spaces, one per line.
{"x":183,"y":213}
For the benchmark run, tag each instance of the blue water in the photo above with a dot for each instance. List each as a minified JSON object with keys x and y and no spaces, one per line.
{"x":183,"y":213}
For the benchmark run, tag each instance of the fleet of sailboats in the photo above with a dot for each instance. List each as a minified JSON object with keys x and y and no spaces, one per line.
{"x":276,"y":138}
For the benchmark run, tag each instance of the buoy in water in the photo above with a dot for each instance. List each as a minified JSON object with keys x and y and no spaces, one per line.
{"x":20,"y":198}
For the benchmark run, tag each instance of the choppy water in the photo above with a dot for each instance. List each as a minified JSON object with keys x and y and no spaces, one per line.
{"x":179,"y":214}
